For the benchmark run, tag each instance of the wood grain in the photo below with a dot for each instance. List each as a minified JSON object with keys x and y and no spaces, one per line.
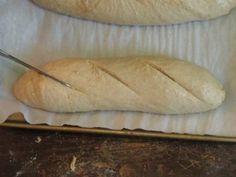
{"x":26,"y":153}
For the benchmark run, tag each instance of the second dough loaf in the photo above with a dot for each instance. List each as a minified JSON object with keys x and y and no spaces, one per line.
{"x":141,"y":12}
{"x":147,"y":84}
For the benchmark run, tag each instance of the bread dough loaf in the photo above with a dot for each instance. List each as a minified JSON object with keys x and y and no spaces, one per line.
{"x":147,"y":84}
{"x":141,"y":12}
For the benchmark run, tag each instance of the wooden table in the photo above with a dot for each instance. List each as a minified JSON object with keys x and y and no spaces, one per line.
{"x":26,"y":153}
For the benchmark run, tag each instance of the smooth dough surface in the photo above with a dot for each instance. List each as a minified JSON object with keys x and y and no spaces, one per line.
{"x":146,"y":84}
{"x":141,"y":12}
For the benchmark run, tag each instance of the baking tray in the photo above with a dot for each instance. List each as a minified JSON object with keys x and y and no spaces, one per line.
{"x":17,"y":120}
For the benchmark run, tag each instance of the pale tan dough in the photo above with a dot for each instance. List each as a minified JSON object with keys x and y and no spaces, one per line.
{"x":147,"y":84}
{"x":141,"y":12}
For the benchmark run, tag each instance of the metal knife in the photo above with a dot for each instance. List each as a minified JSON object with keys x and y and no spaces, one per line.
{"x":17,"y":60}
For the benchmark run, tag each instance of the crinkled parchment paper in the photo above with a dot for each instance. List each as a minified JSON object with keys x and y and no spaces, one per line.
{"x":38,"y":36}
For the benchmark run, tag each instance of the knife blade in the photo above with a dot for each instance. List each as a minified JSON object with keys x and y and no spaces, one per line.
{"x":19,"y":61}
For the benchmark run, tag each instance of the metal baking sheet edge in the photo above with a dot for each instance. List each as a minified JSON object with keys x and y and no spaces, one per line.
{"x":17,"y":122}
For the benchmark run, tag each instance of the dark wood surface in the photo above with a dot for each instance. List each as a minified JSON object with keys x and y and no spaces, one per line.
{"x":27,"y":153}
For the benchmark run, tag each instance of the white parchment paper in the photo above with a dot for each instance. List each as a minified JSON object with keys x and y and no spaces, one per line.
{"x":38,"y":36}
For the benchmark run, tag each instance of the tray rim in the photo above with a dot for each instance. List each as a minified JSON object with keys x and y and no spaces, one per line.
{"x":16,"y":122}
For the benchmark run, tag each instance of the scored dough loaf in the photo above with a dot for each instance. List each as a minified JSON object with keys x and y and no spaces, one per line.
{"x":146,"y":84}
{"x":141,"y":12}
